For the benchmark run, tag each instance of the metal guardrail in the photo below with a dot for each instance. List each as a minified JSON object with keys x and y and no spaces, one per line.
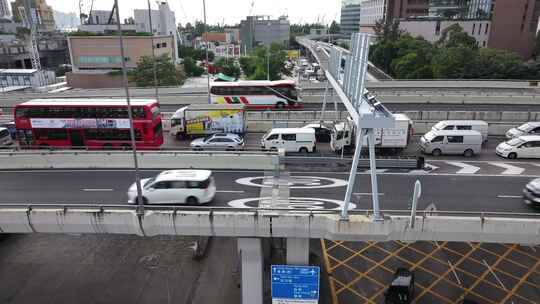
{"x":167,"y":151}
{"x":261,"y":211}
{"x":382,"y":163}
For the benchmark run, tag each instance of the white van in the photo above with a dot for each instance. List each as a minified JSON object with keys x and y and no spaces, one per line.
{"x":290,"y":139}
{"x":527,"y":146}
{"x":5,"y":137}
{"x":530,"y":128}
{"x":463,"y":125}
{"x":467,"y":142}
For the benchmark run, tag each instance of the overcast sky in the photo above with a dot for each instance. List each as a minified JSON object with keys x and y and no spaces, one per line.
{"x":219,"y":11}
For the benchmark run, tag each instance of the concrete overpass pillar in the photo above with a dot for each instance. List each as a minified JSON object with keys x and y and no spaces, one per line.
{"x":250,"y":250}
{"x":298,"y":251}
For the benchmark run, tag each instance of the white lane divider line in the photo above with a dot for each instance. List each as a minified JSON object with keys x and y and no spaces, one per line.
{"x":509,"y":169}
{"x":465,"y":168}
{"x":510,"y":196}
{"x":97,"y":190}
{"x":230,"y":191}
{"x":378,"y":171}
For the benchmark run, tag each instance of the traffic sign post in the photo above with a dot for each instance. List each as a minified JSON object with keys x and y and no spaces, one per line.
{"x":295,"y":284}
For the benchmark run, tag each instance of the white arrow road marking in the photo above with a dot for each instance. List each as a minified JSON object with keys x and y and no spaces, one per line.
{"x":97,"y":190}
{"x":430,"y":167}
{"x":465,"y":168}
{"x":510,"y":169}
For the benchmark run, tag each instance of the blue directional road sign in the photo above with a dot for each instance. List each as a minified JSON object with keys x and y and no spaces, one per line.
{"x":295,"y":284}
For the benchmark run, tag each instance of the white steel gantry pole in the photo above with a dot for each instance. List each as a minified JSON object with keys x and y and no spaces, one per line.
{"x":154,"y":51}
{"x":140,"y":209}
{"x":352,"y":175}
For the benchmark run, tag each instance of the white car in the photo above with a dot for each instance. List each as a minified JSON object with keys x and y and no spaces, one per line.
{"x":521,"y":147}
{"x":530,"y":128}
{"x":190,"y":187}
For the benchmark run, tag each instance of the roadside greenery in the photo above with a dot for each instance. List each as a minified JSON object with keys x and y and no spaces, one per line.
{"x":191,"y":68}
{"x":255,"y":66}
{"x":228,"y":67}
{"x":167,"y":73}
{"x":455,"y":56}
{"x":196,"y":54}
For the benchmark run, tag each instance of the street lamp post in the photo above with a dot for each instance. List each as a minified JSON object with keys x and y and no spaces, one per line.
{"x":140,"y":209}
{"x":268,"y":63}
{"x":153,"y":51}
{"x":207,"y":62}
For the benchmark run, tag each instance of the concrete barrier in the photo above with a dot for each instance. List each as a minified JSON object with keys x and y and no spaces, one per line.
{"x":147,"y":160}
{"x":522,"y":229}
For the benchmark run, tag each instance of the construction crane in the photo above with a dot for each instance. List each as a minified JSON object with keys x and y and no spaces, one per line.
{"x":26,"y":15}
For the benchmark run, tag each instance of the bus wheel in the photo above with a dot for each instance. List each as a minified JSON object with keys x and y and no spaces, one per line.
{"x":44,"y":146}
{"x":280,"y":105}
{"x":107,"y":146}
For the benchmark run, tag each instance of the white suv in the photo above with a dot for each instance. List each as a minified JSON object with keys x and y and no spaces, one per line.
{"x":190,"y":187}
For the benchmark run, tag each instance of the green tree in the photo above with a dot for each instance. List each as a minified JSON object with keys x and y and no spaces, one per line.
{"x":498,"y":64}
{"x":255,"y":66}
{"x":229,"y":67}
{"x":454,"y":63}
{"x":167,"y":75}
{"x":191,"y":68}
{"x":334,"y":28}
{"x":455,"y":36}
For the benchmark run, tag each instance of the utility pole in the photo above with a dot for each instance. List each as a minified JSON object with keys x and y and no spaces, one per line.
{"x":140,"y":209}
{"x":207,"y":62}
{"x":153,"y":51}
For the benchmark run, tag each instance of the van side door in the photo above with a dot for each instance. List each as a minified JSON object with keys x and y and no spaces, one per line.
{"x":455,"y":144}
{"x":529,"y":149}
{"x":289,"y":142}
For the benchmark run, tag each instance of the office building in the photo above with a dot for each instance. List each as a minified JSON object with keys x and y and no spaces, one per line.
{"x":94,"y":57}
{"x":373,"y":11}
{"x":101,"y":17}
{"x":163,"y":22}
{"x":350,"y":16}
{"x":42,"y":14}
{"x":4,"y":9}
{"x":261,"y":30}
{"x":503,"y":24}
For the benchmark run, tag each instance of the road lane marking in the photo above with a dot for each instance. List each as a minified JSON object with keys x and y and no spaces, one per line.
{"x":230,"y":191}
{"x":465,"y":168}
{"x":509,"y":196}
{"x":97,"y":190}
{"x":430,"y":167}
{"x":509,"y":169}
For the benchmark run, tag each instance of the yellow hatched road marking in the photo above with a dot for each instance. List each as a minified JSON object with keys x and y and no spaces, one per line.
{"x":520,"y":283}
{"x":330,"y":274}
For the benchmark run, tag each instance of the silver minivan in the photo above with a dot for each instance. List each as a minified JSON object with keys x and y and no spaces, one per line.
{"x":463,"y":125}
{"x":466,"y":142}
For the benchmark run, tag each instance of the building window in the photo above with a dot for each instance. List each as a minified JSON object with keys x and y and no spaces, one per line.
{"x":487,"y":27}
{"x":484,"y":43}
{"x":438,"y":28}
{"x":473,"y":28}
{"x":164,"y":44}
{"x":100,"y":59}
{"x":479,"y":28}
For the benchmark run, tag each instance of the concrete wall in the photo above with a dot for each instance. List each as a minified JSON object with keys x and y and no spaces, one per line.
{"x":256,"y":223}
{"x":147,"y":160}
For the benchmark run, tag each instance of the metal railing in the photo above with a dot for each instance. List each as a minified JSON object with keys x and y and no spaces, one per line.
{"x":263,"y":211}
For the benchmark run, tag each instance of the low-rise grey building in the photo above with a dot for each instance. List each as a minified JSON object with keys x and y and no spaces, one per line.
{"x":261,"y":30}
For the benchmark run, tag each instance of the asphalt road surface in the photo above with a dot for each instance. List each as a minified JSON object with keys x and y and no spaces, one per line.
{"x":448,"y":192}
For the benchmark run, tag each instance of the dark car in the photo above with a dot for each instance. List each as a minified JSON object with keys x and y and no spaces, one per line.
{"x":322,"y":133}
{"x":401,"y":290}
{"x":11,"y":128}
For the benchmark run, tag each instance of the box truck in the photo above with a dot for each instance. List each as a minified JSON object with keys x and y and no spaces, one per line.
{"x":203,"y":120}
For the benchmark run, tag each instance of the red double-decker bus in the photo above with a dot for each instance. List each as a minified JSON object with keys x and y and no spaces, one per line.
{"x":88,"y":123}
